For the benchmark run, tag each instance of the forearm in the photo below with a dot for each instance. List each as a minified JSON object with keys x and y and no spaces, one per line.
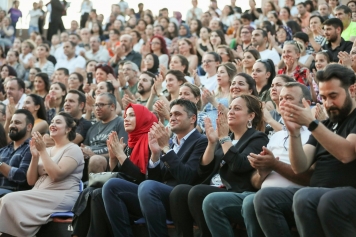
{"x":5,"y":169}
{"x":313,"y":93}
{"x":208,"y":154}
{"x":51,"y":168}
{"x":275,"y":125}
{"x":149,"y":104}
{"x":297,"y":156}
{"x":339,"y":147}
{"x":226,"y":146}
{"x":32,"y":173}
{"x":256,"y":180}
{"x":286,"y":171}
{"x":113,"y":163}
{"x":314,"y":44}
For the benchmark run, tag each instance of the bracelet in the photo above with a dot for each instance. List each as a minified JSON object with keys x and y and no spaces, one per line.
{"x":224,"y":139}
{"x":296,"y":136}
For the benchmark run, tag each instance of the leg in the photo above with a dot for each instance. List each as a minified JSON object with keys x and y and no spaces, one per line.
{"x":181,"y":216}
{"x":81,"y":223}
{"x":195,"y":200}
{"x":220,"y":209}
{"x":121,"y":200}
{"x":337,"y":212}
{"x":305,"y":204}
{"x":97,"y":164}
{"x":99,"y":222}
{"x":154,"y":202}
{"x":273,"y":208}
{"x":248,"y":213}
{"x":4,"y":191}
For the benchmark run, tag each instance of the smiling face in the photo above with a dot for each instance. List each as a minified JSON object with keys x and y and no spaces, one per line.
{"x":284,"y":14}
{"x":239,"y":87}
{"x":176,"y":64}
{"x":179,"y":120}
{"x":248,"y":60}
{"x":320,"y":62}
{"x":238,"y":115}
{"x":281,"y":35}
{"x":57,"y":91}
{"x":29,"y":105}
{"x":39,"y":84}
{"x":172,"y":83}
{"x":130,"y":120}
{"x":58,"y":127}
{"x":289,"y":50}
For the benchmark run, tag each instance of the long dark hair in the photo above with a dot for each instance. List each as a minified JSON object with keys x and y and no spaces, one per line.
{"x":41,"y":112}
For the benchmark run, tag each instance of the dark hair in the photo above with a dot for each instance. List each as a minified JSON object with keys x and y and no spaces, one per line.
{"x":246,"y":16}
{"x":100,"y":29}
{"x":155,"y":66}
{"x":326,"y":54}
{"x":80,"y":77}
{"x":287,"y":9}
{"x":267,"y":27}
{"x":294,"y":26}
{"x":76,"y":35}
{"x":178,"y":74}
{"x":81,"y":96}
{"x":221,"y":36}
{"x":346,"y":9}
{"x":189,"y":42}
{"x":3,"y":111}
{"x":254,"y":105}
{"x":12,"y":71}
{"x":106,"y":68}
{"x":189,"y":107}
{"x":264,"y":33}
{"x":302,"y":3}
{"x":37,"y":69}
{"x":89,"y":61}
{"x":151,"y":19}
{"x":334,"y":22}
{"x":184,"y":61}
{"x":163,"y":44}
{"x":345,"y":75}
{"x":45,"y":79}
{"x":150,"y":74}
{"x":285,"y":78}
{"x":111,"y":97}
{"x":254,"y":53}
{"x":216,"y":56}
{"x":269,"y":65}
{"x":310,"y":3}
{"x":138,"y":35}
{"x":64,"y":70}
{"x":196,"y":92}
{"x":171,"y":35}
{"x":301,"y":35}
{"x":352,"y":1}
{"x":20,"y":83}
{"x":3,"y":141}
{"x":228,"y":52}
{"x":38,"y":100}
{"x":70,"y":124}
{"x":200,"y":25}
{"x":63,"y":87}
{"x":274,"y":13}
{"x":29,"y":117}
{"x":317,"y":16}
{"x":305,"y":91}
{"x":250,"y":82}
{"x":116,"y":31}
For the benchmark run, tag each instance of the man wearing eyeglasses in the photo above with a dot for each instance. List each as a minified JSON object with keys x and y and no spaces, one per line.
{"x":273,"y":169}
{"x":94,"y":145}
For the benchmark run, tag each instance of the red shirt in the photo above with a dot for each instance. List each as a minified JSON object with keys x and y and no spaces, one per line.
{"x":299,"y":74}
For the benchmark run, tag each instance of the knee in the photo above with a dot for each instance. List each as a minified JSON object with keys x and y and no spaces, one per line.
{"x":211,"y":203}
{"x":179,"y":193}
{"x":147,"y":188}
{"x":301,"y":200}
{"x":263,"y":199}
{"x":97,"y":164}
{"x":195,"y":194}
{"x":329,"y":204}
{"x":248,"y":207}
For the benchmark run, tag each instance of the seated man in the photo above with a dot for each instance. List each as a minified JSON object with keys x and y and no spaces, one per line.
{"x":331,"y":148}
{"x":94,"y":146}
{"x":170,"y":164}
{"x":221,"y":208}
{"x":16,"y":157}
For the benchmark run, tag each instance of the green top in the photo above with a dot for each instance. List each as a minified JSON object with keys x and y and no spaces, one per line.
{"x":349,"y":31}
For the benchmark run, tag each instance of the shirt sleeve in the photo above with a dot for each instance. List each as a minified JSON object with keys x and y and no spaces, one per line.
{"x":18,"y":174}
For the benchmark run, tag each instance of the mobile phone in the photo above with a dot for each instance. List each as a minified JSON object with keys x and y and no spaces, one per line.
{"x":90,"y":77}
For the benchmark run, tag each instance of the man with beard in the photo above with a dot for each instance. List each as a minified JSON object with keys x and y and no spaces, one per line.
{"x":125,"y":51}
{"x":331,"y":149}
{"x":144,"y":86}
{"x":259,"y":41}
{"x":16,"y":157}
{"x":333,"y":28}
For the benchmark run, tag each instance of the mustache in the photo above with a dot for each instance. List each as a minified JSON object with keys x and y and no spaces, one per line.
{"x":13,"y":129}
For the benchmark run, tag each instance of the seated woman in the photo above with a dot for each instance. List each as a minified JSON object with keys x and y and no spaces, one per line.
{"x":34,"y":103}
{"x":242,"y":84}
{"x":263,"y":73}
{"x":273,"y":118}
{"x":132,"y":160}
{"x":159,"y":48}
{"x":54,"y":101}
{"x":223,"y":167}
{"x":226,"y":73}
{"x":151,"y":63}
{"x":41,"y":84}
{"x":54,"y":172}
{"x":75,"y":81}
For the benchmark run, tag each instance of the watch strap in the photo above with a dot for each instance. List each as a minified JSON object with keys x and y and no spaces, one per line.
{"x":224,"y":139}
{"x":313,"y":125}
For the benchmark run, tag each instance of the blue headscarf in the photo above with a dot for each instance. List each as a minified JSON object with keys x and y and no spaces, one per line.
{"x":188,"y":35}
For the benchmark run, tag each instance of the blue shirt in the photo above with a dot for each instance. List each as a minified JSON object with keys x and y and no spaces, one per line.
{"x":19,"y":160}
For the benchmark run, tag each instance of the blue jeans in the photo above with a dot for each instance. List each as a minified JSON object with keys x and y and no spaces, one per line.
{"x":4,"y":191}
{"x":32,"y":29}
{"x":248,"y":213}
{"x":154,"y":202}
{"x":222,"y":208}
{"x":327,"y":212}
{"x":121,"y":200}
{"x":273,"y":207}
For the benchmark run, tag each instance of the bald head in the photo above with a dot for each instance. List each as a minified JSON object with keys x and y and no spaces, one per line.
{"x":126,"y":42}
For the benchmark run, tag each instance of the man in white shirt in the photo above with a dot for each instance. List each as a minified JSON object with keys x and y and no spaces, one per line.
{"x":74,"y":38}
{"x":273,"y":169}
{"x":194,"y":13}
{"x":259,"y":41}
{"x":15,"y":89}
{"x":97,"y":53}
{"x":72,"y":60}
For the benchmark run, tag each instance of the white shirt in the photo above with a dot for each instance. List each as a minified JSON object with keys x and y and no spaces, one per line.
{"x":35,"y":15}
{"x":72,"y":64}
{"x":26,"y":58}
{"x":59,"y":54}
{"x":101,"y":56}
{"x":279,"y":145}
{"x":210,"y":83}
{"x":270,"y":54}
{"x":19,"y":105}
{"x":198,"y":12}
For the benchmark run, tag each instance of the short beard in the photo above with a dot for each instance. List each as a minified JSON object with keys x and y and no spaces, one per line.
{"x":333,"y":38}
{"x":17,"y":135}
{"x":342,"y":113}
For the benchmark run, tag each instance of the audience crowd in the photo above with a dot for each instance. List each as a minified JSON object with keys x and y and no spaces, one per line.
{"x":222,"y":118}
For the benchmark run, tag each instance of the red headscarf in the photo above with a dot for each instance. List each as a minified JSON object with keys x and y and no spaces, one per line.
{"x":138,"y":138}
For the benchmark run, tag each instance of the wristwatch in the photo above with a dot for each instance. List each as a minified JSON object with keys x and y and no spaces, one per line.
{"x":165,"y":149}
{"x":224,"y":139}
{"x":124,"y":87}
{"x":313,"y":125}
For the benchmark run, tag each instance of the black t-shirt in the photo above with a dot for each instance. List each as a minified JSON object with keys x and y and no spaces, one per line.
{"x":330,"y":172}
{"x":83,"y":126}
{"x":344,"y":46}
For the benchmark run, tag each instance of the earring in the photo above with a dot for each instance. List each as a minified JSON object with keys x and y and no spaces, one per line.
{"x":249,"y":124}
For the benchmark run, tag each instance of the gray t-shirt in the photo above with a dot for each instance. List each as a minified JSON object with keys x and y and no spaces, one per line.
{"x":99,"y":132}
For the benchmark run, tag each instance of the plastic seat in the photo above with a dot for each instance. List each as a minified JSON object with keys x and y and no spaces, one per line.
{"x":67,"y":214}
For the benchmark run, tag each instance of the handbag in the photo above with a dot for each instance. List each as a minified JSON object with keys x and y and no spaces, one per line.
{"x":97,"y":180}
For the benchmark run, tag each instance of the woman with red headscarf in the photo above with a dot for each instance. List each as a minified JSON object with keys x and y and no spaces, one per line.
{"x":130,"y":160}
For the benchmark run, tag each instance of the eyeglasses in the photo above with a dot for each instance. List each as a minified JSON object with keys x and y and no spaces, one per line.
{"x":101,"y":105}
{"x":126,"y":69}
{"x":295,"y":43}
{"x":154,"y":43}
{"x":207,"y":61}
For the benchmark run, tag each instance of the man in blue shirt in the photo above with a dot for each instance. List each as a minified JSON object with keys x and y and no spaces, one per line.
{"x":15,"y":158}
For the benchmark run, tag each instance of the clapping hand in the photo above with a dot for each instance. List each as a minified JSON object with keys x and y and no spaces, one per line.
{"x":210,"y":132}
{"x":222,"y":125}
{"x":116,"y":147}
{"x":295,"y":116}
{"x":161,"y":134}
{"x":38,"y":141}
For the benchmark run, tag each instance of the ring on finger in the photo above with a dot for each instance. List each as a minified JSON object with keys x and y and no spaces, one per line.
{"x":291,"y":115}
